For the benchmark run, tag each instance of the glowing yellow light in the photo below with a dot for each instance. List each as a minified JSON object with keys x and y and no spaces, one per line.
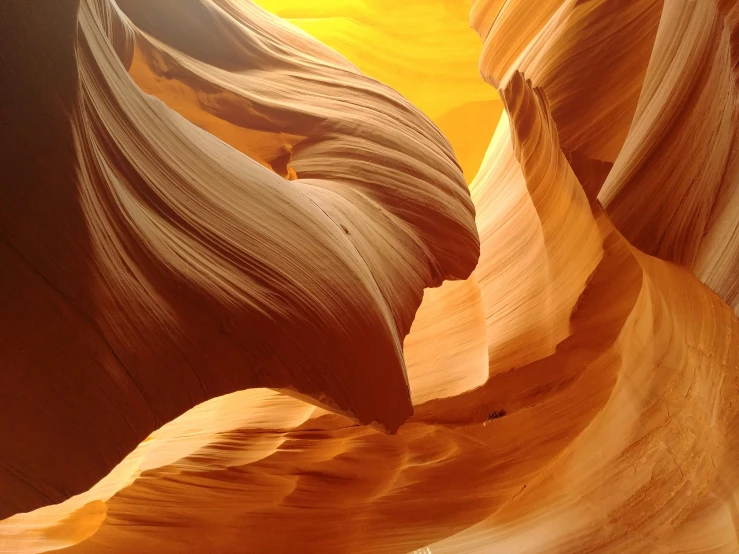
{"x":424,"y":49}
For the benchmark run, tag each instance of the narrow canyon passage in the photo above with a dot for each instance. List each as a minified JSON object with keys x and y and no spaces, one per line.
{"x":373,"y":277}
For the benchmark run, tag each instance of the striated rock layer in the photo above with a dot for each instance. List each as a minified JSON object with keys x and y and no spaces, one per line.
{"x":578,"y":393}
{"x":149,"y":266}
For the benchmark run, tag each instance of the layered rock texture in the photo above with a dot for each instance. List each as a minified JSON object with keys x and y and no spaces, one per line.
{"x":311,"y":279}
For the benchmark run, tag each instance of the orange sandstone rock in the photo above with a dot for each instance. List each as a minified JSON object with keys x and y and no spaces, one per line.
{"x":578,"y":393}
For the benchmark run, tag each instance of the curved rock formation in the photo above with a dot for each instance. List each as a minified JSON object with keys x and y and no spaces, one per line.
{"x":578,"y":393}
{"x":149,"y":266}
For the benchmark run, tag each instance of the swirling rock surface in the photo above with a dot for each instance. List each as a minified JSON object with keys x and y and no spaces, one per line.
{"x":149,"y":266}
{"x":578,"y":393}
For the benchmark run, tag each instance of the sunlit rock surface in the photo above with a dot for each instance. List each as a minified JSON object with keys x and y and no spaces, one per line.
{"x":578,"y":393}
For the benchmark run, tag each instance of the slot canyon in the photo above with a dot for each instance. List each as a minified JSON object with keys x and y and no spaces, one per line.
{"x":369,"y":276}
